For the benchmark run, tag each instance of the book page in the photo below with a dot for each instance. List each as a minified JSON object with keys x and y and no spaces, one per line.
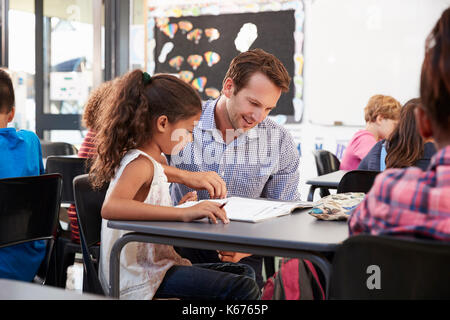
{"x":253,"y":210}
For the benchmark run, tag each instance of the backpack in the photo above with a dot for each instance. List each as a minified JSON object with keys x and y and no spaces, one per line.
{"x":297,"y":279}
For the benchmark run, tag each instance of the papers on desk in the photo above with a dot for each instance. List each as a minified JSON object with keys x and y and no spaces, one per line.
{"x":255,"y":210}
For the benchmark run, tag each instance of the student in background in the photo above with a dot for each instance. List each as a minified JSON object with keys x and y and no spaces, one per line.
{"x":88,"y":148}
{"x":20,"y":155}
{"x":381,"y":115}
{"x":405,"y":146}
{"x":144,"y":118}
{"x":412,"y":202}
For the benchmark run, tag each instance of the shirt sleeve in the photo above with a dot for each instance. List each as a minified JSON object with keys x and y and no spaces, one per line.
{"x":364,"y":144}
{"x":283,"y":184}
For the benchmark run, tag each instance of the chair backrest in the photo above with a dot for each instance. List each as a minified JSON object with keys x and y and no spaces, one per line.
{"x":382,"y":267}
{"x":57,"y":149}
{"x":89,"y":203}
{"x":69,"y":167}
{"x":326,"y":162}
{"x":357,"y":181}
{"x":29,"y":210}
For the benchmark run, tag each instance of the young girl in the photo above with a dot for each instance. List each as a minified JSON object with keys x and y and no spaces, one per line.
{"x":143,"y":118}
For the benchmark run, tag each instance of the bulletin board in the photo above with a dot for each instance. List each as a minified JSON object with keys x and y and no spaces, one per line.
{"x":210,"y":41}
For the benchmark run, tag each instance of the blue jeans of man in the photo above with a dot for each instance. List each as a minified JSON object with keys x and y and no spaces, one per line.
{"x":210,"y":281}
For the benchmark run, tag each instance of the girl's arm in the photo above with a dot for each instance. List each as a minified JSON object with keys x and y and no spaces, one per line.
{"x":126,"y":199}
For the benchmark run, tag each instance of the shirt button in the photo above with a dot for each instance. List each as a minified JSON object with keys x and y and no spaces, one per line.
{"x":223,"y":174}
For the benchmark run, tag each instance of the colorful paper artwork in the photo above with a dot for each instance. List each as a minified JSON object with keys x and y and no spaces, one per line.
{"x":211,"y":58}
{"x":162,"y":21}
{"x":199,"y":83}
{"x":246,"y":36}
{"x":299,"y":63}
{"x":176,"y":62}
{"x":212,"y":34}
{"x":169,"y":29}
{"x":167,"y":47}
{"x":186,"y":75}
{"x":212,"y":92}
{"x":195,"y":61}
{"x":195,"y":35}
{"x":185,"y":26}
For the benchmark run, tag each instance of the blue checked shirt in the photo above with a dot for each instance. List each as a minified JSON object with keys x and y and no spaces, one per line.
{"x":262,"y":162}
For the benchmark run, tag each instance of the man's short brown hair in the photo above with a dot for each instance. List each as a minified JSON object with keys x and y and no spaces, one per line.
{"x":384,"y":106}
{"x":246,"y":64}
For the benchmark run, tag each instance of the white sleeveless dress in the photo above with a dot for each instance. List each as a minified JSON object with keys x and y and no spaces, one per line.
{"x":142,"y":265}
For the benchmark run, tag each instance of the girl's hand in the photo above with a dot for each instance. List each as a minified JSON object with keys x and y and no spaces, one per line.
{"x":208,"y":209}
{"x":190,"y":196}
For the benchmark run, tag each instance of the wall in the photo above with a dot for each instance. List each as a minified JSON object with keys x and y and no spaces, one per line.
{"x":330,"y":91}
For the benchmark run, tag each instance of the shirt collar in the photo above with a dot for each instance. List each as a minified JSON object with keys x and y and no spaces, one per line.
{"x":208,"y":122}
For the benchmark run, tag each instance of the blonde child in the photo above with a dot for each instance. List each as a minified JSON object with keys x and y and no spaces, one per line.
{"x":381,"y":115}
{"x":144,"y":118}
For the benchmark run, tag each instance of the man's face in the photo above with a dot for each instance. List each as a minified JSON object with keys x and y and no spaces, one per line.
{"x":252,"y":104}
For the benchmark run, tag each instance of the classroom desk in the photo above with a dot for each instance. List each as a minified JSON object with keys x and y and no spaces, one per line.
{"x":19,"y":290}
{"x":297,"y":235}
{"x":328,"y":181}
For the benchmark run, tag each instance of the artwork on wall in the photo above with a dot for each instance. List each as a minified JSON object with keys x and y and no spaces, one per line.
{"x":197,"y":43}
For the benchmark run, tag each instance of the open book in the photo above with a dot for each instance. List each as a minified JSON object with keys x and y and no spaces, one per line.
{"x":254,"y":210}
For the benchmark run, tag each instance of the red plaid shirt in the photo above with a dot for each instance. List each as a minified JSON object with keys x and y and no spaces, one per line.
{"x":408,"y":202}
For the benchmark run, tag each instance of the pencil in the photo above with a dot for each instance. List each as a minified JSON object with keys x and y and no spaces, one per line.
{"x":223,"y":204}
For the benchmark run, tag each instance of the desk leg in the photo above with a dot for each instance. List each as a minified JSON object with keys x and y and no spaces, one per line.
{"x":325,"y":266}
{"x":114,"y":266}
{"x":311,"y":193}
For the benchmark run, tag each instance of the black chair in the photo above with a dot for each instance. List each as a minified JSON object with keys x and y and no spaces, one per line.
{"x":357,"y":181}
{"x":29,"y":208}
{"x":386,"y":267}
{"x":57,"y":149}
{"x":326,"y":162}
{"x":65,"y":249}
{"x":89,"y":205}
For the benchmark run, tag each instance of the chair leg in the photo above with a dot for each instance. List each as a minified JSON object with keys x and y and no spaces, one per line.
{"x":324,"y":192}
{"x":269,"y":266}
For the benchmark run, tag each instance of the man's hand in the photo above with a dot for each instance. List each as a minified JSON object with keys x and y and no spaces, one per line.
{"x":209,"y":181}
{"x":230,"y":256}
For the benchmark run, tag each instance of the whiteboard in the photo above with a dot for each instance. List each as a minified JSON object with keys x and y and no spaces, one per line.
{"x":358,"y":48}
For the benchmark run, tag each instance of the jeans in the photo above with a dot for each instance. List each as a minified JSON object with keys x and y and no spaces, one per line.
{"x":211,"y":256}
{"x":210,"y":281}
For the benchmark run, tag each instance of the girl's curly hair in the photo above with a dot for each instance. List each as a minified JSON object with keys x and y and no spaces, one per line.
{"x":93,"y":106}
{"x":129,"y":114}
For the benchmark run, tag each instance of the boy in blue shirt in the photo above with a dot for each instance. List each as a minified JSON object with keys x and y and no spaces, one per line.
{"x":20,"y":155}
